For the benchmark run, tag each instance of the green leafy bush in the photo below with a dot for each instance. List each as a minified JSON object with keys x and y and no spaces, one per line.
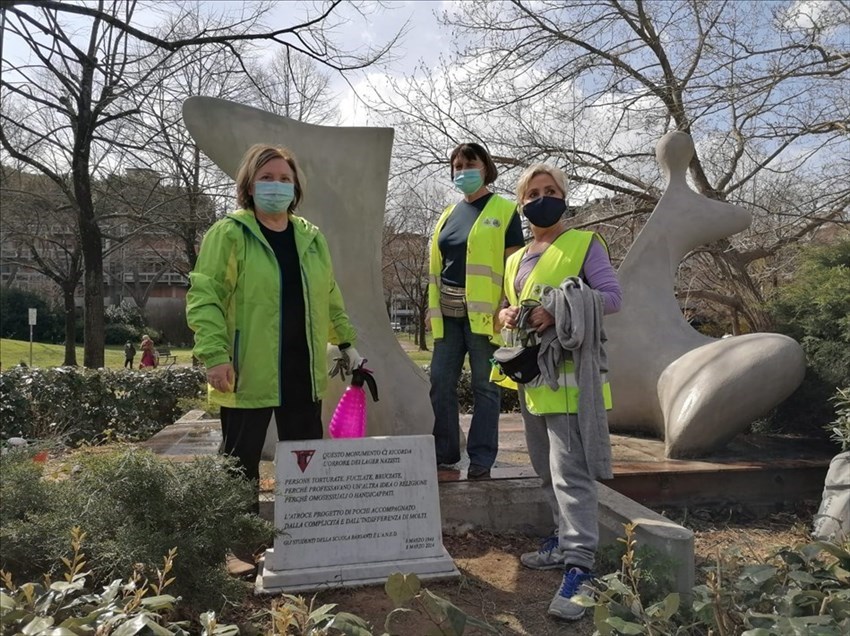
{"x":134,"y":508}
{"x":814,"y":309}
{"x":292,"y":615}
{"x":656,"y":569}
{"x":840,"y":429}
{"x":126,"y":322}
{"x":120,"y":333}
{"x":510,"y":399}
{"x":804,"y":590}
{"x":85,"y":405}
{"x":72,"y":607}
{"x":14,"y":317}
{"x":124,"y":314}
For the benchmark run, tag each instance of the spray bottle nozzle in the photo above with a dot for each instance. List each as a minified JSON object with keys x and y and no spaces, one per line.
{"x":362,"y":376}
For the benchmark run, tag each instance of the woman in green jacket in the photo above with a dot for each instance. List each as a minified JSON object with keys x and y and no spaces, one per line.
{"x":263,"y":304}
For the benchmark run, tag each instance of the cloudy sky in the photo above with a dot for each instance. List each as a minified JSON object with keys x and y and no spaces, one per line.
{"x":424,"y":40}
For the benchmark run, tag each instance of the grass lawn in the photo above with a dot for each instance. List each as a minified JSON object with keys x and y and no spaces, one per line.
{"x":12,"y":352}
{"x":408,"y":344}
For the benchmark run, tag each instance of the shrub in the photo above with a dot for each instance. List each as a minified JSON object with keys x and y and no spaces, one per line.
{"x":802,"y":590}
{"x":656,"y":569}
{"x":840,"y":429}
{"x":138,"y":605}
{"x":510,"y":399}
{"x":121,"y":333}
{"x":293,"y":615}
{"x":85,"y":405}
{"x":814,"y":309}
{"x":134,"y":508}
{"x":126,"y":322}
{"x":142,"y":605}
{"x":124,"y":314}
{"x":14,"y":317}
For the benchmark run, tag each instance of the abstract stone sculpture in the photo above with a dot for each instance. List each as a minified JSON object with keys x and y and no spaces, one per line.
{"x":667,"y":379}
{"x":346,"y":172}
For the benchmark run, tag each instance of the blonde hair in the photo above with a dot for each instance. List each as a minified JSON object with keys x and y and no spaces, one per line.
{"x":532,"y":171}
{"x":255,"y":158}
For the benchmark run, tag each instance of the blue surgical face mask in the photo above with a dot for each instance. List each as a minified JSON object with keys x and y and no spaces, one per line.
{"x":273,"y":197}
{"x":545,"y":211}
{"x":469,"y":181}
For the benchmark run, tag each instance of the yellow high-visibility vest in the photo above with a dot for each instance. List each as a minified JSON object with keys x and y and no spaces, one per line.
{"x":562,"y":259}
{"x":485,"y":267}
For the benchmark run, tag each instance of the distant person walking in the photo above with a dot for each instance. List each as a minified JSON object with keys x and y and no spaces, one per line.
{"x":129,"y":354}
{"x":148,"y":353}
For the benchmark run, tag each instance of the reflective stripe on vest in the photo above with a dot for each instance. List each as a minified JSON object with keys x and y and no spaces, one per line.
{"x":485,"y":267}
{"x":564,"y":258}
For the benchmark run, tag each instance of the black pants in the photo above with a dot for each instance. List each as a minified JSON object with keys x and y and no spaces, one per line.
{"x":128,"y":363}
{"x":243,"y":433}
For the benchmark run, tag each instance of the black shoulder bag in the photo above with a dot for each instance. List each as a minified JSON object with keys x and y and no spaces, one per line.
{"x":519,"y":363}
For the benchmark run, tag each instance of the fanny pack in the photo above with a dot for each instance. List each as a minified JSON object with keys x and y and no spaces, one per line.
{"x":519,"y":363}
{"x":453,"y":301}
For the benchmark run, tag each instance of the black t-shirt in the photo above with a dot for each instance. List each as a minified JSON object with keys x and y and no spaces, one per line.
{"x":454,"y":235}
{"x":294,"y":353}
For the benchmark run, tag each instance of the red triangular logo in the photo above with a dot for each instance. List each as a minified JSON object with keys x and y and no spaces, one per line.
{"x":303,"y":457}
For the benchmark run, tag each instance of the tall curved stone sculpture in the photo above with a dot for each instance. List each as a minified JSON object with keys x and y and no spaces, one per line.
{"x":667,"y":379}
{"x":346,"y":171}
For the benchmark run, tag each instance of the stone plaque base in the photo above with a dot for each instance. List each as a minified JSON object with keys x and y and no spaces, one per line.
{"x":312,"y":579}
{"x":353,"y":511}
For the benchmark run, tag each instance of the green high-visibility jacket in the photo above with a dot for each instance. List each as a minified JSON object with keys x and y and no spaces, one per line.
{"x":234,"y":308}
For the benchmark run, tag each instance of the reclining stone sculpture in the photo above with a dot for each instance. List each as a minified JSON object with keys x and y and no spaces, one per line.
{"x":667,"y":379}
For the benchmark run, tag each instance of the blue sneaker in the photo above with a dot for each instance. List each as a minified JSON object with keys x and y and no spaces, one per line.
{"x":547,"y":557}
{"x":576,"y":583}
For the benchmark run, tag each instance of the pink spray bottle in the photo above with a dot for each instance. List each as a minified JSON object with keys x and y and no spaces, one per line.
{"x":349,"y":418}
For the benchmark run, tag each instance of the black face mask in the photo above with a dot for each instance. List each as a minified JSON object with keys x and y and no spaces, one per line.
{"x":545,"y":211}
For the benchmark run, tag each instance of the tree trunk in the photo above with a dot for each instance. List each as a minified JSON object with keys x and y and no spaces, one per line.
{"x":93,"y":324}
{"x":92,"y":248}
{"x":91,"y":237}
{"x":70,"y":326}
{"x":743,"y":286}
{"x":423,"y":344}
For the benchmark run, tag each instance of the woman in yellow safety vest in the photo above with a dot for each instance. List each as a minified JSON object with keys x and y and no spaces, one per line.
{"x":568,"y":450}
{"x":468,"y":250}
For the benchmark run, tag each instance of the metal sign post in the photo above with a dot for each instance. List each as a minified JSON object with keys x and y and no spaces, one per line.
{"x":33,"y":315}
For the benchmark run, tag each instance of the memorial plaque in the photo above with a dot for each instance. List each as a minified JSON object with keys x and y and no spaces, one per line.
{"x":353,"y":511}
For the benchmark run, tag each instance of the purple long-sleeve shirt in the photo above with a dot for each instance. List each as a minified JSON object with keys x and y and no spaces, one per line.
{"x":597,"y":272}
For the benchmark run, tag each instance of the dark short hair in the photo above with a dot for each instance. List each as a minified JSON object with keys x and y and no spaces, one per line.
{"x":472,"y":151}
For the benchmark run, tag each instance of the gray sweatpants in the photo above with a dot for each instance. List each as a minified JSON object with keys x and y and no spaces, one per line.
{"x":557,"y":455}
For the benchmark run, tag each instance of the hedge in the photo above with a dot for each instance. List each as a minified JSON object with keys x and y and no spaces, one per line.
{"x":89,"y":406}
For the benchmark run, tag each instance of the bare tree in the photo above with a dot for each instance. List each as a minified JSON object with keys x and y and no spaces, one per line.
{"x":292,"y":84}
{"x":196,"y":188}
{"x":38,"y":234}
{"x":413,"y":213}
{"x":96,"y":58}
{"x":145,"y":225}
{"x":591,"y":85}
{"x":295,"y":86}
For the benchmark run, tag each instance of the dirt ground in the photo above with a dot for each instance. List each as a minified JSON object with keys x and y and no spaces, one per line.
{"x":494,"y":587}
